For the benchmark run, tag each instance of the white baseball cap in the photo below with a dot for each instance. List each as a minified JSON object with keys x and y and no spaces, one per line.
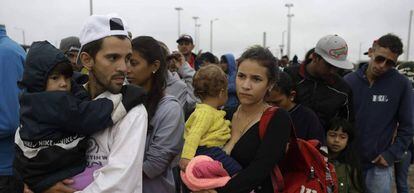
{"x":334,"y":50}
{"x":100,"y":26}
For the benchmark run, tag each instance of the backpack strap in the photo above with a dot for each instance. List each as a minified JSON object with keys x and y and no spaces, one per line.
{"x":276,"y":175}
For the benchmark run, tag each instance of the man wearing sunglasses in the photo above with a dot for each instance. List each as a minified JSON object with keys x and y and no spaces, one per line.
{"x":382,"y":102}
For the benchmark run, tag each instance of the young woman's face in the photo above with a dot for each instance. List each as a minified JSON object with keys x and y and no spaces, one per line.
{"x":251,"y":82}
{"x":58,"y":82}
{"x":139,"y":72}
{"x":336,"y":140}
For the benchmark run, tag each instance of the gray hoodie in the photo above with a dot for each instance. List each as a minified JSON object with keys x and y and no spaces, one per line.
{"x":180,"y":85}
{"x":163,"y":144}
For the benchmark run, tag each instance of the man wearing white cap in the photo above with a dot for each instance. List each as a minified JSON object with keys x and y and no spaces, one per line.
{"x":118,"y":151}
{"x":319,"y":86}
{"x":383,"y":105}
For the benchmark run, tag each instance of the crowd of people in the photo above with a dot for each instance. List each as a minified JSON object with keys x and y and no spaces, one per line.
{"x":109,"y":112}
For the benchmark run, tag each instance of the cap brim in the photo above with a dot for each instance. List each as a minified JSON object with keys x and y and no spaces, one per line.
{"x":345,"y":64}
{"x":184,"y":39}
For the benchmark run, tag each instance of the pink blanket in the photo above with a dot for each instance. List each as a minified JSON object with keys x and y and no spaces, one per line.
{"x":203,"y":173}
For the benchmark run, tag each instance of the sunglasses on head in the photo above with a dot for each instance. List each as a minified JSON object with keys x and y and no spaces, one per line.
{"x":381,"y":59}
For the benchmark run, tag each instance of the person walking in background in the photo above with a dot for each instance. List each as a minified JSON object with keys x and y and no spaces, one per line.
{"x":401,"y":166}
{"x":185,"y":47}
{"x":12,"y":57}
{"x":229,"y":66}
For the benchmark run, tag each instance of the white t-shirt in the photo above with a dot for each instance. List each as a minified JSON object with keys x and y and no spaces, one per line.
{"x":120,"y":152}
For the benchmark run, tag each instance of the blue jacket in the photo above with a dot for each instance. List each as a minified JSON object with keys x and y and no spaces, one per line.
{"x":378,"y":110}
{"x":232,"y":101}
{"x":12,"y":58}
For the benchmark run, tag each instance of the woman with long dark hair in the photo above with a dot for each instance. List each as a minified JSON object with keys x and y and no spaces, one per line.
{"x":148,"y":69}
{"x":255,"y":79}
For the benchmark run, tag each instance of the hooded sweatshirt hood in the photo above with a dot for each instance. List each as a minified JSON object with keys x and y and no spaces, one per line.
{"x":41,"y":59}
{"x":232,"y":101}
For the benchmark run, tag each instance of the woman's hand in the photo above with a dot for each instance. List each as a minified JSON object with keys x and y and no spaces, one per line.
{"x":61,"y":187}
{"x":183,"y":163}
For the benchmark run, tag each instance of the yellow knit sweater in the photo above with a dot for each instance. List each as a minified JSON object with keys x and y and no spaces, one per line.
{"x":205,"y":127}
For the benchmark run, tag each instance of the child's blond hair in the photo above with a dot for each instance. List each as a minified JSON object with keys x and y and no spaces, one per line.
{"x":209,"y":81}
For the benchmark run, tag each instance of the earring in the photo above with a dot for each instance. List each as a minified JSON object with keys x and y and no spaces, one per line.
{"x":154,"y":72}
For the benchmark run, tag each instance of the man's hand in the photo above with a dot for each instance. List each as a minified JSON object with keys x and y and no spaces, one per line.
{"x":27,"y":189}
{"x":61,"y":187}
{"x":380,"y":161}
{"x":183,"y":163}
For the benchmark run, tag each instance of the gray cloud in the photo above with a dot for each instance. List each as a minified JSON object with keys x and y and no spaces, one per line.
{"x":241,"y":22}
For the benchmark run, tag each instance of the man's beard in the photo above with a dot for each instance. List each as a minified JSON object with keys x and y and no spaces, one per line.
{"x":114,"y":89}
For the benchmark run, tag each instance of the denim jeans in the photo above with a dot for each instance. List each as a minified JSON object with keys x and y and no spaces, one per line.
{"x":378,"y":179}
{"x":401,"y":172}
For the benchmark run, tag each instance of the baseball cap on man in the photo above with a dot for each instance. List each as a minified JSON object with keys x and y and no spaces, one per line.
{"x":185,"y":37}
{"x":70,"y":44}
{"x":100,"y":26}
{"x":334,"y":50}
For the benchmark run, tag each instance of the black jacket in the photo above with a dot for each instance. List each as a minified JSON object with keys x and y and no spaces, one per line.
{"x":53,"y":124}
{"x":327,"y":99}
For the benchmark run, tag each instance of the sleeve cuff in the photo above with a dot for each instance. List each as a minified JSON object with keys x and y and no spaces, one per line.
{"x":388,"y":157}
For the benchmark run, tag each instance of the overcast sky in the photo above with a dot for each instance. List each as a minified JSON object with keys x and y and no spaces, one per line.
{"x":240,"y":23}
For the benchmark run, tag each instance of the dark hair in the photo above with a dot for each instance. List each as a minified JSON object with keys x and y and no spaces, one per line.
{"x":308,"y":57}
{"x":62,"y":68}
{"x":285,"y":57}
{"x":208,"y":81}
{"x":391,"y":42}
{"x":223,"y":59}
{"x":284,"y":83}
{"x":206,"y":57}
{"x":264,"y":57}
{"x":151,"y":51}
{"x":348,"y":155}
{"x":92,"y":48}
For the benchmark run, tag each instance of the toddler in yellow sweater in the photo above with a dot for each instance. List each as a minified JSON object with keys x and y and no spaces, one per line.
{"x":206,"y":130}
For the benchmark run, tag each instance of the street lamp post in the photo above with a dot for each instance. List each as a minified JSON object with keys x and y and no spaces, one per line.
{"x":409,"y":36}
{"x":289,"y":15}
{"x":198,"y":37}
{"x":24,"y":36}
{"x":195,"y":31}
{"x":90,"y":7}
{"x":283,"y":44}
{"x":179,"y":9}
{"x":211,"y":34}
